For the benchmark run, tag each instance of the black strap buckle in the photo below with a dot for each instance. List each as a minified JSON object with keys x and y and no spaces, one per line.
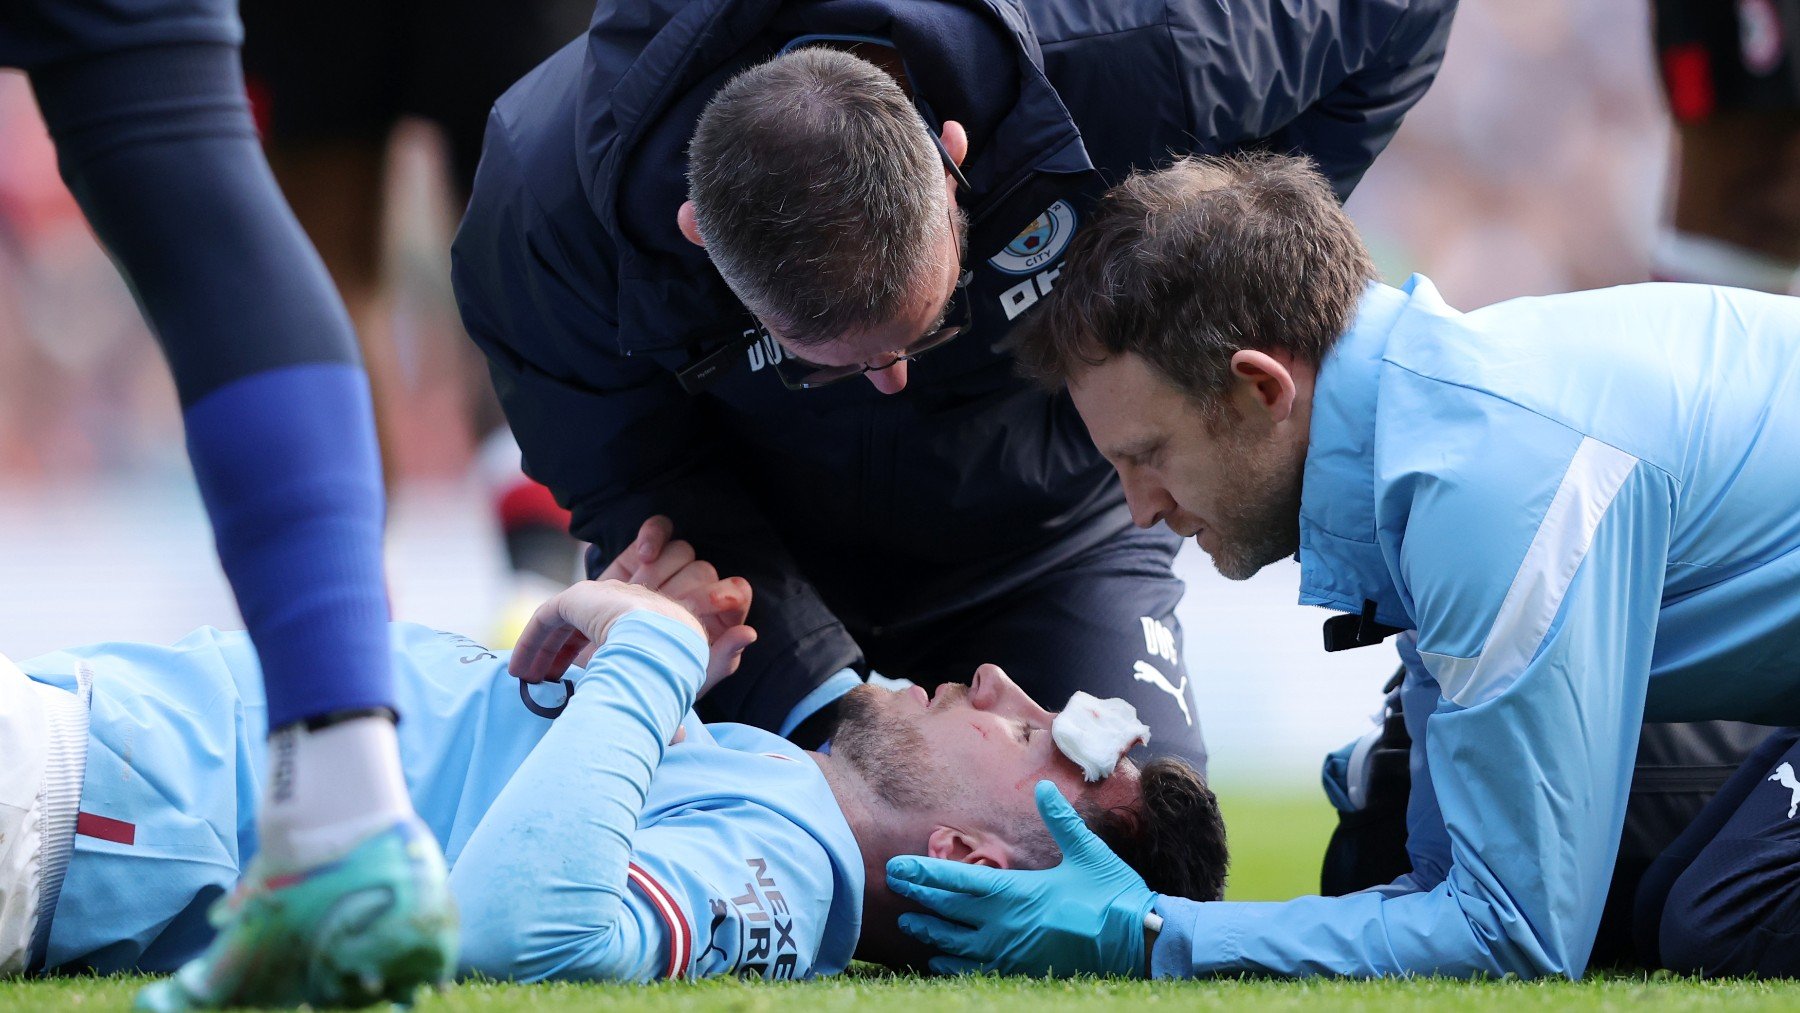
{"x":1345,"y":632}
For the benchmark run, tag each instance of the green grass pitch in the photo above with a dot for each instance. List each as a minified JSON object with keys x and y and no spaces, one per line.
{"x":1276,"y":838}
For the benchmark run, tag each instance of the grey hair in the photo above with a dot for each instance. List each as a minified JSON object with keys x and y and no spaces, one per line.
{"x":818,"y":193}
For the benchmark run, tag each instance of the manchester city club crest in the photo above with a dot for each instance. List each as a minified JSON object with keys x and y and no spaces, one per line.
{"x":1042,"y":241}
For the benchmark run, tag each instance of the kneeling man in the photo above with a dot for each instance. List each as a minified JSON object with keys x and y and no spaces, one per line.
{"x":608,"y":835}
{"x":1584,"y":511}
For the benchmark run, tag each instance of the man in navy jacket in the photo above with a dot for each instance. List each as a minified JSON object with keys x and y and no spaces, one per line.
{"x":945,"y":513}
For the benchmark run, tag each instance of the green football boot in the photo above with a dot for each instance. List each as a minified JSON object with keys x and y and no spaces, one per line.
{"x":373,"y":925}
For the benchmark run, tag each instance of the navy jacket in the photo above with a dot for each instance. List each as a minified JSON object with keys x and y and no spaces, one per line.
{"x":850,"y":510}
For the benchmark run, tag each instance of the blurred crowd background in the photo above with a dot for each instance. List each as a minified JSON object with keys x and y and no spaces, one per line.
{"x":1537,"y":163}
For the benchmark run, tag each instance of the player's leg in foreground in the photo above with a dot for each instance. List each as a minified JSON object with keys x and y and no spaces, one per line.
{"x":346,"y":902}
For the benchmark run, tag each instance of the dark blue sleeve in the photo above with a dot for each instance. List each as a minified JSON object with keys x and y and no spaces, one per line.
{"x":1383,"y":74}
{"x":1330,"y":79}
{"x":158,"y":147}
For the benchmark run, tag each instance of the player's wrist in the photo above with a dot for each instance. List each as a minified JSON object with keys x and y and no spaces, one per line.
{"x":647,"y":604}
{"x":687,"y":632}
{"x":640,"y":624}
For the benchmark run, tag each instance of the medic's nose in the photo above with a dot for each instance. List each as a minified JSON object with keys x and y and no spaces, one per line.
{"x":891,"y":380}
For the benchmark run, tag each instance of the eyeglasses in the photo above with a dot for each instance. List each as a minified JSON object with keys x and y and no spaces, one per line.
{"x":797,"y":373}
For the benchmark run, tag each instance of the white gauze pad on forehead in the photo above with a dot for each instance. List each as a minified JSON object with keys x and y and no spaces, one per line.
{"x":1095,"y":733}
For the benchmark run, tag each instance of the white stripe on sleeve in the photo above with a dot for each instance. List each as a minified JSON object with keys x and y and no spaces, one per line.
{"x":1595,"y":475}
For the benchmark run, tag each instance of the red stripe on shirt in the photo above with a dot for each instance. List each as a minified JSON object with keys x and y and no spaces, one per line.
{"x":105,"y":828}
{"x":681,"y":938}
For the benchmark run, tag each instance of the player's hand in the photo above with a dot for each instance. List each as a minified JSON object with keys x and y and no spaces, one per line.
{"x":721,"y":607}
{"x":1086,"y":915}
{"x":643,"y":561}
{"x":661,"y":562}
{"x":567,"y":629}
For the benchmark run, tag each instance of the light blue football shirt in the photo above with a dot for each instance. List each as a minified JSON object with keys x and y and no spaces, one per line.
{"x":580,"y":848}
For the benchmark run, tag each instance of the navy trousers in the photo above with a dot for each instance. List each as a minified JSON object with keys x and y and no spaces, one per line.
{"x":1724,"y":898}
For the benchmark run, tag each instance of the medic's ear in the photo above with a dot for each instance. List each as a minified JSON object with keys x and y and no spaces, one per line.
{"x":956,"y":141}
{"x":969,"y":848}
{"x":689,"y":225}
{"x":1267,"y":381}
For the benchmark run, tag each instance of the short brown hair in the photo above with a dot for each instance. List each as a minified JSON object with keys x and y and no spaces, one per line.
{"x":1173,"y":836}
{"x":818,"y":191}
{"x":1176,"y":838}
{"x":1186,"y":265}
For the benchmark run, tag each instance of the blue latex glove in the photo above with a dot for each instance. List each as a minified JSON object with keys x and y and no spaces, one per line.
{"x":1086,"y":915}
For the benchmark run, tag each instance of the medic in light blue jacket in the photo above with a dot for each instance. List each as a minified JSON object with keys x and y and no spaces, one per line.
{"x":1588,"y":507}
{"x":740,"y":860}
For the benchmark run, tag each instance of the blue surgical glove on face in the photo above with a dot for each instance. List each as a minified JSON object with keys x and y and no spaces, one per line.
{"x":1086,"y":915}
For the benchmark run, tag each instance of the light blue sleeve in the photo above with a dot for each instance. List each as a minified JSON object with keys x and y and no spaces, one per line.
{"x":1427,"y":845}
{"x":545,"y":883}
{"x":1528,"y":750}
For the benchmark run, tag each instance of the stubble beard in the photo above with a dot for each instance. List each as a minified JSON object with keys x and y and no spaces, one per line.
{"x":887,"y":752}
{"x":1258,"y":523}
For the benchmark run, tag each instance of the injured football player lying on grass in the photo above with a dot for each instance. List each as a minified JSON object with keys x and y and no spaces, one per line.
{"x":599,"y":830}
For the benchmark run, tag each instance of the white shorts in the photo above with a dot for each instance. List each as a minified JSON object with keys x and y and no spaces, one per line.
{"x":43,"y":750}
